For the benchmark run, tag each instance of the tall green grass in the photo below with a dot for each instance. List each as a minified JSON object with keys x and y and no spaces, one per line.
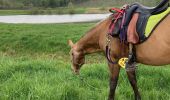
{"x":35,"y":65}
{"x":44,"y":38}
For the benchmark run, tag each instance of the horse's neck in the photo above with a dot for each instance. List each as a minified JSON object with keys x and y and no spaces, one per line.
{"x":90,"y":42}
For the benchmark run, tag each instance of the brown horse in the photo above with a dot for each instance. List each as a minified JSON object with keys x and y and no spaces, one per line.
{"x":154,"y":51}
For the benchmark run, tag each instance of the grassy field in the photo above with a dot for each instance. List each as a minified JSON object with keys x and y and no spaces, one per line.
{"x":40,"y":11}
{"x":35,"y":65}
{"x":54,"y":11}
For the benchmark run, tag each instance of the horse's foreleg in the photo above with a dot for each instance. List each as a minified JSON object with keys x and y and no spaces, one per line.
{"x":133,"y":82}
{"x":114,"y":74}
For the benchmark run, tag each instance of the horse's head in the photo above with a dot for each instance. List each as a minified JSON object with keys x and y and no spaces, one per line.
{"x":77,"y":57}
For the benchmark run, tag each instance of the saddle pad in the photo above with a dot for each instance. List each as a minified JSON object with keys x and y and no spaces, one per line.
{"x":154,"y":20}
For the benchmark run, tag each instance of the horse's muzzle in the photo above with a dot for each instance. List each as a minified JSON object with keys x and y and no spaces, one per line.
{"x":75,"y":71}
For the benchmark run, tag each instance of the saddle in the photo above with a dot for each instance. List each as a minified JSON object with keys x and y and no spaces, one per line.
{"x":136,"y":19}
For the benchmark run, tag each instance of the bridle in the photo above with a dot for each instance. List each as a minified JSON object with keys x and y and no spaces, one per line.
{"x":117,"y":14}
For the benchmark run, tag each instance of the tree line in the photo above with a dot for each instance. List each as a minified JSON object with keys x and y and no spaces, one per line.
{"x":22,"y":4}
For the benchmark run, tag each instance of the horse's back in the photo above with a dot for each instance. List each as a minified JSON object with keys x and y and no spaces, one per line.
{"x":156,"y":50}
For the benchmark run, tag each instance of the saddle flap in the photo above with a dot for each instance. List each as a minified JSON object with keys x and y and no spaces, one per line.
{"x":132,"y":35}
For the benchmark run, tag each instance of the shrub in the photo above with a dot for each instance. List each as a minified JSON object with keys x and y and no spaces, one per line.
{"x":34,"y":11}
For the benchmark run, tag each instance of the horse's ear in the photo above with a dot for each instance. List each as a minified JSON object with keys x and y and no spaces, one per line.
{"x":70,"y":43}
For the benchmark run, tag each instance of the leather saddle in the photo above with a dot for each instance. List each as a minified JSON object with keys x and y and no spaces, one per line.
{"x":137,"y":7}
{"x":141,"y":19}
{"x":153,"y":10}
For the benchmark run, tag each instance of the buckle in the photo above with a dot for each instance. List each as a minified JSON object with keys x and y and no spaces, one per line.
{"x":125,"y":7}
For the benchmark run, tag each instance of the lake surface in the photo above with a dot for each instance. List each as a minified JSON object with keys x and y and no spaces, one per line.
{"x":52,"y":18}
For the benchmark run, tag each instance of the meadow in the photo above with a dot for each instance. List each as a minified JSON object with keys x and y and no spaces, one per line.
{"x":35,"y":65}
{"x":56,"y":11}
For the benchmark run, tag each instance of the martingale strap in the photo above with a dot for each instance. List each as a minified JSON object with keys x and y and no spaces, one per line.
{"x":108,"y":56}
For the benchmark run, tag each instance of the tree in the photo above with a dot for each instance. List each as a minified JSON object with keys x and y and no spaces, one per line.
{"x":52,"y":3}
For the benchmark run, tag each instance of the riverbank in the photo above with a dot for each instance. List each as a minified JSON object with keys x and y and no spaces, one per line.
{"x":56,"y":11}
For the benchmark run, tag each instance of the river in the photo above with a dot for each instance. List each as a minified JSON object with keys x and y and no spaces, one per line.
{"x":52,"y":18}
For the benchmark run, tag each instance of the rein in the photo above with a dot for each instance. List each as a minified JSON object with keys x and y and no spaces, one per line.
{"x":117,"y":14}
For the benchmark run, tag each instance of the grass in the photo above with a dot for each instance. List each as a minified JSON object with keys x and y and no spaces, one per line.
{"x":39,"y":11}
{"x":35,"y":65}
{"x":55,"y":11}
{"x":114,"y":3}
{"x":14,"y":12}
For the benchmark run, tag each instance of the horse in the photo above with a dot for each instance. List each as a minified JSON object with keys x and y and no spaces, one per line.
{"x":154,"y":51}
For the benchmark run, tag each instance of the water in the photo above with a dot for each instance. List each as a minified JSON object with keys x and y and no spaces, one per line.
{"x":52,"y":18}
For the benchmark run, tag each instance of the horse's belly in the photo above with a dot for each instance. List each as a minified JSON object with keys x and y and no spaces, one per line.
{"x":154,"y":59}
{"x":154,"y":52}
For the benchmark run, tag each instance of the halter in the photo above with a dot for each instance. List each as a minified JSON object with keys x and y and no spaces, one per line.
{"x":117,"y":14}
